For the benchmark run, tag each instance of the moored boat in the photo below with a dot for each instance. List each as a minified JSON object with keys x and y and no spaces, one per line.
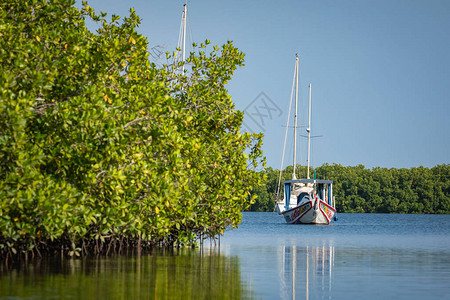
{"x":305,"y":201}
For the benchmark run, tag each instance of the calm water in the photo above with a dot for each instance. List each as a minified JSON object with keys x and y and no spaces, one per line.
{"x":368,"y":256}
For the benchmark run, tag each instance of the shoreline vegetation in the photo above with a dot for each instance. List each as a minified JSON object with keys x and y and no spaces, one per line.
{"x":105,"y":146}
{"x":378,"y":190}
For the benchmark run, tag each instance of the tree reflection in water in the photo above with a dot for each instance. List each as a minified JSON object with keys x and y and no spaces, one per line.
{"x":177,"y":274}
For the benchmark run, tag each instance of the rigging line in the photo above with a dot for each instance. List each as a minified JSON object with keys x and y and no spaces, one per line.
{"x":181,"y":36}
{"x":301,"y":104}
{"x":297,"y":126}
{"x":286,"y":133}
{"x":189,"y":30}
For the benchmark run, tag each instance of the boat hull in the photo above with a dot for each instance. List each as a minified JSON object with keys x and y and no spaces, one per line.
{"x":308,"y":213}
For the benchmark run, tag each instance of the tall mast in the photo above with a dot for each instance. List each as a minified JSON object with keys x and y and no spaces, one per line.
{"x":286,"y":134}
{"x":295,"y":115}
{"x":184,"y":23}
{"x":309,"y":131}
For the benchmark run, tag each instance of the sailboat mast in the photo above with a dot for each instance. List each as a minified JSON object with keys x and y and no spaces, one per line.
{"x":309,"y":131}
{"x":295,"y":116}
{"x":184,"y":21}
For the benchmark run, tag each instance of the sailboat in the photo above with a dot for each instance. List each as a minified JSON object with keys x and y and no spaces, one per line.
{"x":305,"y":201}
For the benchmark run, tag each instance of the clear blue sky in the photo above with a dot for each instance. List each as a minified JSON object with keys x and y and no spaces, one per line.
{"x":380,"y":70}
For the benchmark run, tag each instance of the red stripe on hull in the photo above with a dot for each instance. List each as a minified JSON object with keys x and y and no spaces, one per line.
{"x":327,"y":216}
{"x":287,"y":214}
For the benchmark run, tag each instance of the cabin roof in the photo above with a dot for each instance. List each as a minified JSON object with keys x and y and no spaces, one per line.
{"x":308,"y":181}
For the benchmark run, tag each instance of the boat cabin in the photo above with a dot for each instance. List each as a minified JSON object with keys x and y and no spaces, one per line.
{"x":295,"y":188}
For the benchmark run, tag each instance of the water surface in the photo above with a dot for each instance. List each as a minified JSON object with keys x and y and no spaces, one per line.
{"x":370,"y":256}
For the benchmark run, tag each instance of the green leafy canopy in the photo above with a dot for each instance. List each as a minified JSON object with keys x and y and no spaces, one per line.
{"x":97,"y":142}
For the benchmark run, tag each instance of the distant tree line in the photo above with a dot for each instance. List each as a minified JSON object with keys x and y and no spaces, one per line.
{"x":379,"y":190}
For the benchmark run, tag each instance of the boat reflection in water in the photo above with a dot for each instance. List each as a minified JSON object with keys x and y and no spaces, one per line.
{"x":306,"y":271}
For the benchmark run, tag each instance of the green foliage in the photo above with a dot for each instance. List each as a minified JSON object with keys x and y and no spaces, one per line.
{"x":380,"y":190}
{"x":99,"y":145}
